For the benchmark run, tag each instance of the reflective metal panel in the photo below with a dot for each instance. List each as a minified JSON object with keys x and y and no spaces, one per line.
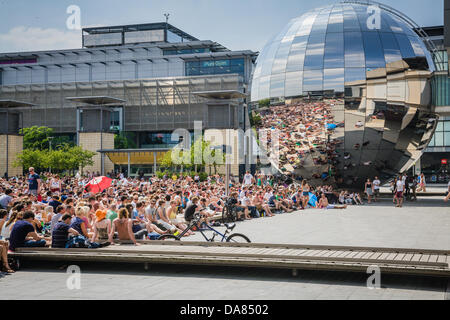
{"x":357,"y":98}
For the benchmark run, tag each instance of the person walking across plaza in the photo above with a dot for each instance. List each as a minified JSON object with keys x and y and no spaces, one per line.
{"x":448,"y":195}
{"x":376,"y":189}
{"x":369,"y":190}
{"x":422,"y":184}
{"x":399,"y":191}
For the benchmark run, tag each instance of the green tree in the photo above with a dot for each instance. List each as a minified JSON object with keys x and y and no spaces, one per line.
{"x":255,"y":119}
{"x":76,"y":157}
{"x":36,"y":138}
{"x":125,"y":140}
{"x":201,"y":144}
{"x":32,"y":158}
{"x":166,"y":161}
{"x":264,"y":103}
{"x":63,"y":158}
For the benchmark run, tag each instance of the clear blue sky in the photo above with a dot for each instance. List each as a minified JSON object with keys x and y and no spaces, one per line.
{"x":27,"y":25}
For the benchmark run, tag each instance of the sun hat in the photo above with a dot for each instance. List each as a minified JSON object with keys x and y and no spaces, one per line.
{"x":100,"y":214}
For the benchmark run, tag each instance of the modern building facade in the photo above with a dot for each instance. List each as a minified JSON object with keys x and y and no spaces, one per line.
{"x":434,"y":162}
{"x":153,"y":78}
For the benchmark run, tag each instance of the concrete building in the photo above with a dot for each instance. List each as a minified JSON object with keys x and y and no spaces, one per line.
{"x":434,"y":162}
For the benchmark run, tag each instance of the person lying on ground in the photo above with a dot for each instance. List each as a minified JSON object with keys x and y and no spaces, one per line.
{"x":324,"y":204}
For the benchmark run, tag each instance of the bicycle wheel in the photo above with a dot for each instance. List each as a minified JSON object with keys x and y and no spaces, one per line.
{"x":168,"y":237}
{"x":238,"y":238}
{"x":227,"y":214}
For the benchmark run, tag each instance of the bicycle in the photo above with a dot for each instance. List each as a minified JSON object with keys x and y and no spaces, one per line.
{"x":229,"y":212}
{"x":234,"y":238}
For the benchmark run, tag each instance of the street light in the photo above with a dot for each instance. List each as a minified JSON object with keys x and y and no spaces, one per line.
{"x":50,"y":144}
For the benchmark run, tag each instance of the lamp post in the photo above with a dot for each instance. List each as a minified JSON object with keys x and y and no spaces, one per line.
{"x":50,"y":145}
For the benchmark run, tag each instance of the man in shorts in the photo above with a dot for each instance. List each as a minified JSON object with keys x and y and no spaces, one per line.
{"x":400,"y":189}
{"x":376,"y":188}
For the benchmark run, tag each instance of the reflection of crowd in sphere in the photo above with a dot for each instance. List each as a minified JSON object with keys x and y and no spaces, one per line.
{"x":305,"y":134}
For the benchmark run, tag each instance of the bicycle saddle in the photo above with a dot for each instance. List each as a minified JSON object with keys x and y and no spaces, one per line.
{"x":230,"y":226}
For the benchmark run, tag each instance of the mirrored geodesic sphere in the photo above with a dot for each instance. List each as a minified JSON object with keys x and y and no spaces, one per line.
{"x":353,"y":95}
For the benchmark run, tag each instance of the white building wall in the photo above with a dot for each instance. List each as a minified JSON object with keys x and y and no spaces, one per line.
{"x":95,"y":64}
{"x":9,"y":76}
{"x":54,"y":74}
{"x":38,"y":75}
{"x":24,"y":76}
{"x":176,"y":68}
{"x":160,"y":68}
{"x":128,"y":71}
{"x":82,"y":73}
{"x":113,"y":71}
{"x":98,"y":72}
{"x":68,"y":74}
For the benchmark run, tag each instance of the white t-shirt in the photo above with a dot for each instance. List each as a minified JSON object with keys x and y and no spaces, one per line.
{"x":248,"y":178}
{"x":376,"y":184}
{"x":245,"y":201}
{"x":55,"y":184}
{"x":267,"y":196}
{"x":400,"y":186}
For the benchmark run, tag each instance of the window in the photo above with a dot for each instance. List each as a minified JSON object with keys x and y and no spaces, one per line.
{"x":115,"y":120}
{"x":447,"y":138}
{"x":175,"y":52}
{"x":442,"y":136}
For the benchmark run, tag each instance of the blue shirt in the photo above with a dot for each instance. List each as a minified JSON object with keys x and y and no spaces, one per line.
{"x":135,"y":214}
{"x":19,"y":233}
{"x":76,"y":224}
{"x":33,"y":181}
{"x":60,"y":235}
{"x":55,"y":204}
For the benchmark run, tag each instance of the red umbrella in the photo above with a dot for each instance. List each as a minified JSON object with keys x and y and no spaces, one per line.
{"x":98,"y":184}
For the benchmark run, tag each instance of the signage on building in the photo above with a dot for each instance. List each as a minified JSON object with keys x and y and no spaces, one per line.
{"x":444,"y":161}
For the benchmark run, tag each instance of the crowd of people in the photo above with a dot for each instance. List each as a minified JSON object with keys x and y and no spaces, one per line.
{"x":61,"y":212}
{"x":304,"y":130}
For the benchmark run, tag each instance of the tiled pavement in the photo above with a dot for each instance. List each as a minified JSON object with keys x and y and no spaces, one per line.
{"x":425,"y":225}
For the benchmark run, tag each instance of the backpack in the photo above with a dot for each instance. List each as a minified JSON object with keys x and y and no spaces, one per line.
{"x":81,"y":242}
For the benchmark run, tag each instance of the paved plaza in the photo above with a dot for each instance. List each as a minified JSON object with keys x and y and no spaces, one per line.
{"x":423,"y":225}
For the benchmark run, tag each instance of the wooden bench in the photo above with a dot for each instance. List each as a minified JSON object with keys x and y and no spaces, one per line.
{"x":278,"y":256}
